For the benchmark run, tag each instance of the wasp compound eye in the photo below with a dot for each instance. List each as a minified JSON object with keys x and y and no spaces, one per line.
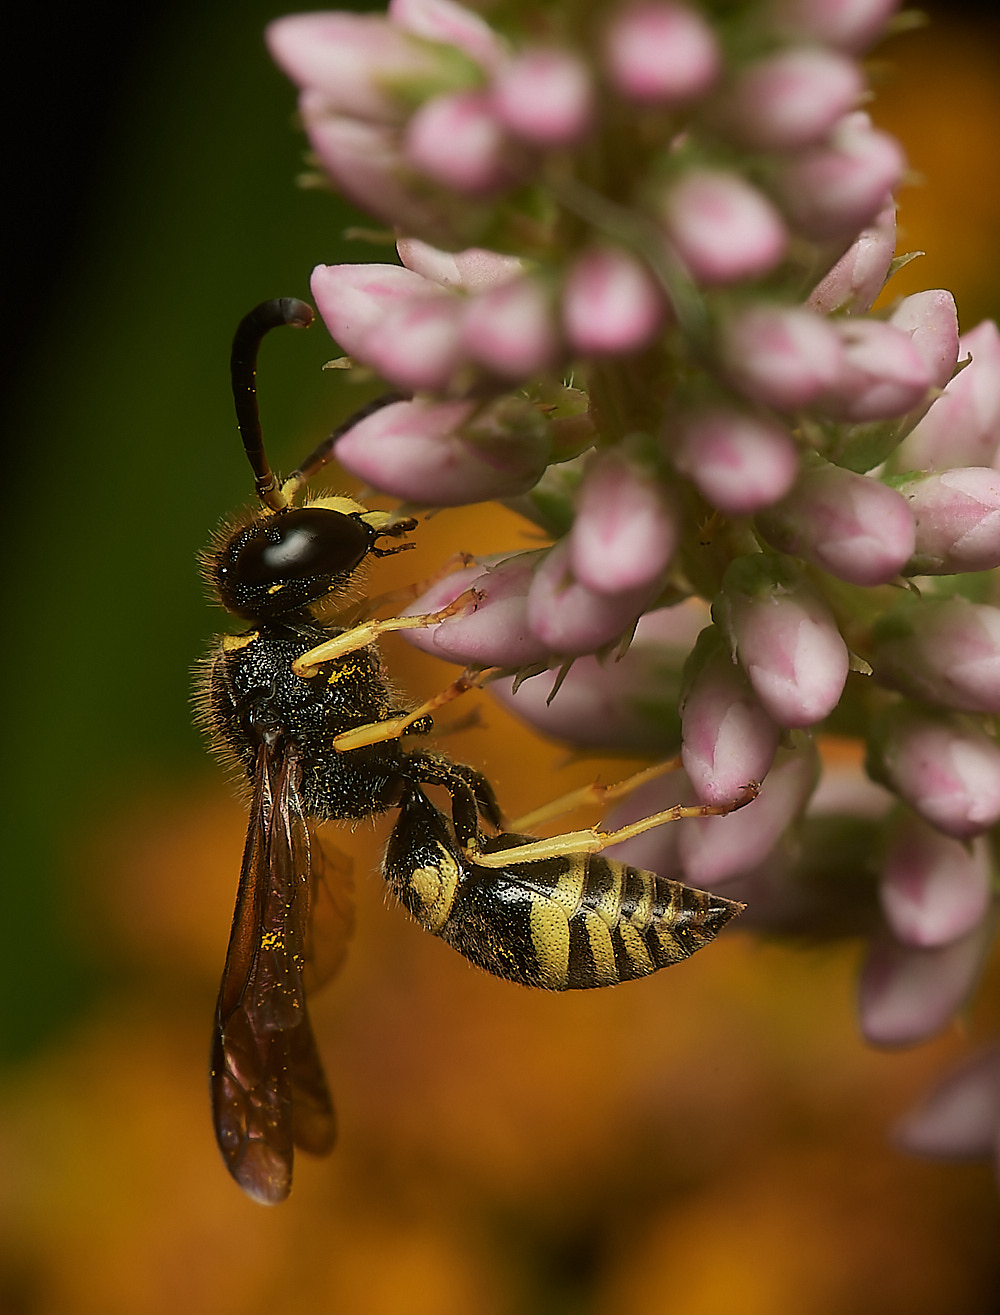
{"x":284,"y":563}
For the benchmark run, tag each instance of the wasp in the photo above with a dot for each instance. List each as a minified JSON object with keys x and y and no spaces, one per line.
{"x":300,"y":702}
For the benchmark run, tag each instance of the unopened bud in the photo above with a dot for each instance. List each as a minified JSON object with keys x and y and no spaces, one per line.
{"x":661,"y":53}
{"x":611,"y":305}
{"x":446,"y":454}
{"x":544,"y":97}
{"x":724,"y":229}
{"x":792,"y":98}
{"x":957,"y":516}
{"x":944,"y":765}
{"x":934,"y":890}
{"x":569,"y":618}
{"x":728,"y":738}
{"x":860,"y":274}
{"x":907,"y":995}
{"x":853,"y":526}
{"x":625,"y":529}
{"x":739,"y":462}
{"x":783,"y":356}
{"x":941,"y":651}
{"x":785,"y":637}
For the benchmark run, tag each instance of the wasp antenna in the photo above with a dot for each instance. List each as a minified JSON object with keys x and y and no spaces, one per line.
{"x":243,"y":368}
{"x":323,"y":452}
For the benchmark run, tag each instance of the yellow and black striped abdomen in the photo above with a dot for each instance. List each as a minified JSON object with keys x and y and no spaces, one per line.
{"x":565,"y":923}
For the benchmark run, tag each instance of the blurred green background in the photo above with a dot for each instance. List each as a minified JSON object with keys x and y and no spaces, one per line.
{"x":707,"y":1145}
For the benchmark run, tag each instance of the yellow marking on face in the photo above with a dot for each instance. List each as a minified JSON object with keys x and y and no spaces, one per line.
{"x":233,"y":643}
{"x":602,"y":949}
{"x":271,"y":940}
{"x":276,"y":588}
{"x":635,"y":948}
{"x":435,"y":888}
{"x":550,"y":940}
{"x":346,"y":506}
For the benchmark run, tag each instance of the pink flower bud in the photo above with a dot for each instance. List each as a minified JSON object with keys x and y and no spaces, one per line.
{"x":474,"y":270}
{"x":365,"y":162}
{"x":492,"y":632}
{"x":713,"y":850}
{"x":728,"y":738}
{"x":625,"y":531}
{"x":393,"y":320}
{"x":723,"y":228}
{"x":962,"y":428}
{"x":851,"y":525}
{"x":353,"y":299}
{"x":860,"y":274}
{"x":907,"y":995}
{"x":883,"y":373}
{"x":661,"y":53}
{"x":447,"y":453}
{"x":957,"y":516}
{"x":945,"y":767}
{"x":458,"y":141}
{"x":616,"y":705}
{"x":510,"y":329}
{"x":931,"y":320}
{"x":941,"y":651}
{"x":934,"y":890}
{"x":361,"y":63}
{"x":569,"y":618}
{"x":544,"y":97}
{"x":611,"y":304}
{"x":738,"y":462}
{"x":452,"y":25}
{"x":792,"y":98}
{"x":960,"y":1119}
{"x":785,"y":637}
{"x":850,"y":25}
{"x":782,"y":356}
{"x":418,"y":346}
{"x":835,"y":190}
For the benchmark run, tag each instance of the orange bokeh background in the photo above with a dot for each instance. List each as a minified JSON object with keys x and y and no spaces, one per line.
{"x":711,"y":1141}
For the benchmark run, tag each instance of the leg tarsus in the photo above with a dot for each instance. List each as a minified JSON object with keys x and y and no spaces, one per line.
{"x":594,"y":794}
{"x":593,"y":840}
{"x":392,"y":728}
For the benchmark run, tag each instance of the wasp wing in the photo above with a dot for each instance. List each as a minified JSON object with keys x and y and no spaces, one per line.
{"x":268,"y":1089}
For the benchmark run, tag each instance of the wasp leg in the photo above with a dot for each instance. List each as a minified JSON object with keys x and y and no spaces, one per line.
{"x":595,"y":793}
{"x":401,"y":597}
{"x":307,"y":664}
{"x":472,"y":796}
{"x":593,"y":840}
{"x":393,"y":727}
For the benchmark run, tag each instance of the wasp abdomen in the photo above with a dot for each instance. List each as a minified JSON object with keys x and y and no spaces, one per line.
{"x":566,"y":923}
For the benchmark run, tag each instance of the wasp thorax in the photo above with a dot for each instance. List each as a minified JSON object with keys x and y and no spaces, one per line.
{"x":282,"y":563}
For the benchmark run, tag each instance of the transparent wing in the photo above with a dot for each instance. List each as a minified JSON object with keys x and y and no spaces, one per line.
{"x":269,"y":1093}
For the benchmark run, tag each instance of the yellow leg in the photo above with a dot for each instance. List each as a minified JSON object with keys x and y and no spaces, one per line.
{"x":360,"y":636}
{"x":594,"y":794}
{"x":378,"y":731}
{"x":592,"y":841}
{"x":397,"y":598}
